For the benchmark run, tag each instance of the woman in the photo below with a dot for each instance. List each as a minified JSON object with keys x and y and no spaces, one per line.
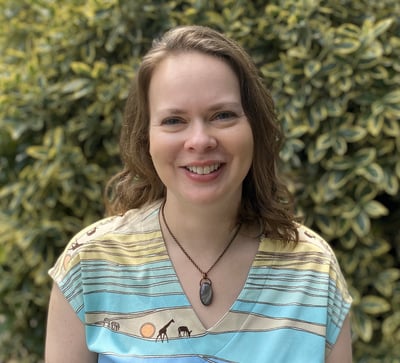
{"x":202,"y":260}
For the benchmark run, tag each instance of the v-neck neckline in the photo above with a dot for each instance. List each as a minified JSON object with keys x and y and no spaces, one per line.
{"x":219,"y":322}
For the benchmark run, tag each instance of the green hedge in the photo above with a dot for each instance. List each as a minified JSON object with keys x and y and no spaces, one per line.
{"x":334,"y":69}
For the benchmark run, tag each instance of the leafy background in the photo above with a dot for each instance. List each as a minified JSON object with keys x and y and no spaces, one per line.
{"x":334,"y":70}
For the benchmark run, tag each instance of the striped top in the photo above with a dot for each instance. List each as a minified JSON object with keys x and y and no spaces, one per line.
{"x":118,"y":277}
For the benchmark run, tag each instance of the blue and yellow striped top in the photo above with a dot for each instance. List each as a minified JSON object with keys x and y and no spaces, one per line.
{"x":118,"y":277}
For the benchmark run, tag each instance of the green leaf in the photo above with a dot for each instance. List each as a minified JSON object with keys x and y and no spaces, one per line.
{"x":326,"y":225}
{"x":373,"y":172}
{"x":378,"y":247}
{"x":361,"y":225}
{"x":334,"y":77}
{"x":362,"y":325}
{"x":385,"y":281}
{"x":379,"y":72}
{"x":381,"y":26}
{"x":392,"y":127}
{"x":324,"y":141}
{"x":390,"y":274}
{"x":391,"y":324}
{"x":298,"y":52}
{"x":340,"y":146}
{"x":377,"y":107}
{"x":346,"y":46}
{"x":348,"y":209}
{"x":392,"y":97}
{"x":335,"y":107}
{"x":372,"y":52}
{"x":352,"y":133}
{"x":348,"y":30}
{"x":322,"y":194}
{"x":374,"y":305}
{"x":272,"y":70}
{"x":311,"y":68}
{"x":313,"y":123}
{"x":214,"y":17}
{"x":83,"y":92}
{"x":38,"y":152}
{"x":344,"y":84}
{"x":338,"y":179}
{"x":297,"y":145}
{"x":319,"y":112}
{"x":349,"y":241}
{"x":375,"y":209}
{"x":100,"y":67}
{"x":343,"y":226}
{"x":350,"y":262}
{"x":375,"y":124}
{"x":362,"y":78}
{"x":340,"y":163}
{"x":384,"y":287}
{"x":297,"y":131}
{"x":315,"y":154}
{"x":365,"y":191}
{"x":391,"y":183}
{"x":364,"y":156}
{"x":75,"y":85}
{"x":81,"y":68}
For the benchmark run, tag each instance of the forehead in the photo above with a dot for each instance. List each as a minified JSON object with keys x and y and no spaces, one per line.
{"x":177,"y":60}
{"x":193,"y":73}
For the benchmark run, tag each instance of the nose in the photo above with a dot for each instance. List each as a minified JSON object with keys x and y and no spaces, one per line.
{"x":200,"y":136}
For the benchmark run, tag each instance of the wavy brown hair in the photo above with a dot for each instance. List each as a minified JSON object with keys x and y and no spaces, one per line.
{"x":265,"y":198}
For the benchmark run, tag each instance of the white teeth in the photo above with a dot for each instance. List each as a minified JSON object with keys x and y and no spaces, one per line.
{"x":202,"y":170}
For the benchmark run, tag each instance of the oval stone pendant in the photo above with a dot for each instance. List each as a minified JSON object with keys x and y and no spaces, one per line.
{"x":206,"y":292}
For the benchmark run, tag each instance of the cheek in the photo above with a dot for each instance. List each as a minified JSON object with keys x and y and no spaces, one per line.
{"x":162,"y":148}
{"x":156,"y":145}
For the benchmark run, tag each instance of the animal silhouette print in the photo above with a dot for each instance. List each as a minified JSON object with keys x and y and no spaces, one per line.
{"x":183,"y":331}
{"x":162,"y":333}
{"x":113,"y":325}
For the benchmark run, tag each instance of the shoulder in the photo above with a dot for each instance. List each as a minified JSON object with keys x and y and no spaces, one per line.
{"x":135,"y":221}
{"x":107,"y":239}
{"x":325,"y":256}
{"x":311,"y":252}
{"x":311,"y":240}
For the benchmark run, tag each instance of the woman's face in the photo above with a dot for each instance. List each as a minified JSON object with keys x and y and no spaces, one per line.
{"x":201,"y":142}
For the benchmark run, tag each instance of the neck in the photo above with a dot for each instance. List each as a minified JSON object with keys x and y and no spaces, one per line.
{"x":201,"y":227}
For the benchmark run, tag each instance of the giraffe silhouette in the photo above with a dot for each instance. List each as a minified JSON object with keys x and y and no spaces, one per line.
{"x":162,"y":333}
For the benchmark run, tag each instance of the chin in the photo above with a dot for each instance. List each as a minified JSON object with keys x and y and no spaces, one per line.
{"x":207,"y":200}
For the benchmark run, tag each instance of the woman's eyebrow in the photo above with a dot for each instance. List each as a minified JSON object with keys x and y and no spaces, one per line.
{"x":222,"y":105}
{"x":214,"y":107}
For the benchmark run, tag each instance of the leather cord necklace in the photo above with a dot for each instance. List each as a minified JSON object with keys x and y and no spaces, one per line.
{"x":206,"y":291}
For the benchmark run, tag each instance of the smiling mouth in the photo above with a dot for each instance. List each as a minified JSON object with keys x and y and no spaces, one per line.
{"x":203,"y":170}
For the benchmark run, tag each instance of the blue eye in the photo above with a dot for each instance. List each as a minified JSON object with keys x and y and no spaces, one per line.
{"x":172,"y":121}
{"x":224,"y":115}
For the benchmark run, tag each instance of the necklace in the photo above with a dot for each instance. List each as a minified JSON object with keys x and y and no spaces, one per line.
{"x":206,"y":291}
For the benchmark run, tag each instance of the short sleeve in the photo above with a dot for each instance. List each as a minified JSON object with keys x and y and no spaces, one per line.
{"x":337,"y":298}
{"x":67,"y":274}
{"x":339,"y":302}
{"x":68,"y":270}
